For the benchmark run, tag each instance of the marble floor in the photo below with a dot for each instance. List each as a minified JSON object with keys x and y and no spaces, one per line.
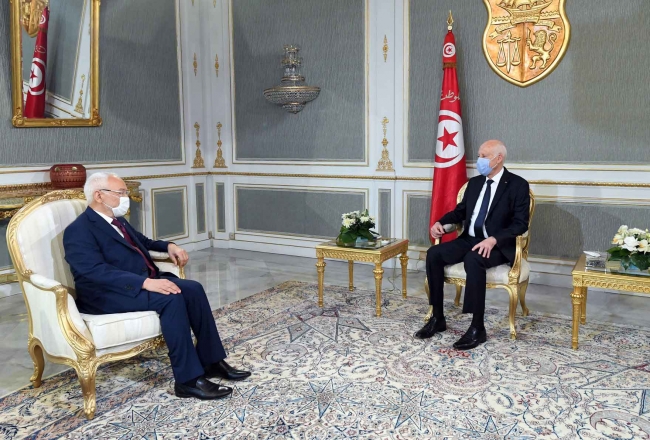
{"x":230,"y":275}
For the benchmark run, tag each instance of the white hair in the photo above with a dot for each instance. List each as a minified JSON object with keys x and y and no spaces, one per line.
{"x":95,"y":182}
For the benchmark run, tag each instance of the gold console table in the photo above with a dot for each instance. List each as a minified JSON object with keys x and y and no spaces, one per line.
{"x":14,"y":197}
{"x":376,"y":255}
{"x":584,"y":278}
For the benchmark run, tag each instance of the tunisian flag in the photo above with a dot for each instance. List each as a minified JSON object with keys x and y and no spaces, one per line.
{"x":450,"y":173}
{"x":35,"y":103}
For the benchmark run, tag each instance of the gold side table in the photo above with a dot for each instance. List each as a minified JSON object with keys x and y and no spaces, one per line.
{"x":377,"y":255}
{"x":584,"y":278}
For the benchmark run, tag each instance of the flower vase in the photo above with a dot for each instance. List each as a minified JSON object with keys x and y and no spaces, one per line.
{"x":340,"y":242}
{"x":632,"y":269}
{"x":364,"y":242}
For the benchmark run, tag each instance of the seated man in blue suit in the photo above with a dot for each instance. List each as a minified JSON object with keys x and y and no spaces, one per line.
{"x":113,"y":273}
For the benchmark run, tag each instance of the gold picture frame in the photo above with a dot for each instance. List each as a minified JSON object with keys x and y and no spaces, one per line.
{"x":18,"y":9}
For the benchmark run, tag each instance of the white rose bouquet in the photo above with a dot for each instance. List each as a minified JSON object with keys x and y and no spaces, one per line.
{"x":356,"y":224}
{"x":631,"y":248}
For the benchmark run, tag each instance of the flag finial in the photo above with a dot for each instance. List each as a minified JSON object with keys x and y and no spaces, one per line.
{"x":450,"y":21}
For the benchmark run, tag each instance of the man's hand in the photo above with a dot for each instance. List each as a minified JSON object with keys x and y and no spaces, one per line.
{"x":177,"y":255}
{"x":437,"y":230}
{"x":485,"y":247}
{"x":163,"y":286}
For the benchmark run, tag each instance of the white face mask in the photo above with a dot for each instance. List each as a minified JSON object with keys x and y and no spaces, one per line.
{"x":121,"y":209}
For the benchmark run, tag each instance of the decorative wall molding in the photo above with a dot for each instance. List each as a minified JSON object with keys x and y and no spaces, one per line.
{"x":366,"y":160}
{"x":170,"y":189}
{"x":392,"y":178}
{"x":219,"y":162}
{"x":365,"y":192}
{"x":385,"y":163}
{"x":384,"y":49}
{"x":198,"y":160}
{"x":334,"y":176}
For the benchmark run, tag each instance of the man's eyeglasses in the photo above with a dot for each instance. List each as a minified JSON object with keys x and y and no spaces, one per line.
{"x":122,"y":193}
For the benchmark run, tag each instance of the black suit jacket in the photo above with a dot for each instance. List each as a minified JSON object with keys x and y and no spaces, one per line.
{"x":508,"y":215}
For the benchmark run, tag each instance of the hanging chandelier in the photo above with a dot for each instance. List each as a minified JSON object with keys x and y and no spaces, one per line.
{"x":293,"y":93}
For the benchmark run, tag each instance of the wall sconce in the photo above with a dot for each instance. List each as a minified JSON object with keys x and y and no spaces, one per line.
{"x":293,"y":93}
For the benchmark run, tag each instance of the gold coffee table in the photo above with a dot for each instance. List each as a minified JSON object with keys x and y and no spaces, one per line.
{"x":372,"y":254}
{"x":605,"y":278}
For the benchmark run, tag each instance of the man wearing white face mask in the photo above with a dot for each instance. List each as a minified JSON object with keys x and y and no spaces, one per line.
{"x":114,"y":273}
{"x":494,"y":211}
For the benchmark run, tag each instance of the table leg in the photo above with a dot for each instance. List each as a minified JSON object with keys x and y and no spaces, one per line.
{"x":320,"y":268}
{"x":576,"y":300}
{"x":379,"y":273}
{"x":351,"y":274}
{"x":583,"y":314}
{"x":404,"y":259}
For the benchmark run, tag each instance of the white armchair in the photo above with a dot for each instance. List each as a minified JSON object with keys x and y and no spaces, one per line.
{"x":56,"y":328}
{"x":514,"y":279}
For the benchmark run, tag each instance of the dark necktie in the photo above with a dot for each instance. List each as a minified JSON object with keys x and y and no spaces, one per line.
{"x":482,"y":213}
{"x":127,"y":237}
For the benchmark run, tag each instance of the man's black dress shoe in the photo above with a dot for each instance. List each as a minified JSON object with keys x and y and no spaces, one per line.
{"x":472,"y":338}
{"x":204,"y":390}
{"x":433,"y":326}
{"x":223,"y":370}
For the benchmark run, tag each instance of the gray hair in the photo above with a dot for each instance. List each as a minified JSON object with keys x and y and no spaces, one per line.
{"x":95,"y":182}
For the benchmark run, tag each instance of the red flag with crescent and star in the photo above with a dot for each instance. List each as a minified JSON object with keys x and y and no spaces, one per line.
{"x":35,"y":102}
{"x":449,"y":173}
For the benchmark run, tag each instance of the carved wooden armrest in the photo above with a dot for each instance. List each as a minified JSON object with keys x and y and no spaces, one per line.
{"x":44,"y":283}
{"x":72,"y":325}
{"x":515,"y":270}
{"x":160,"y":256}
{"x":450,"y":227}
{"x":163,"y":257}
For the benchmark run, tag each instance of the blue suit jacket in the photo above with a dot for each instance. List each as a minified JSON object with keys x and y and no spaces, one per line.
{"x":108,"y":272}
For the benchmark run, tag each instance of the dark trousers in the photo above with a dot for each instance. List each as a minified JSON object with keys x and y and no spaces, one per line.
{"x":178,"y":313}
{"x":475,"y":267}
{"x":188,"y":310}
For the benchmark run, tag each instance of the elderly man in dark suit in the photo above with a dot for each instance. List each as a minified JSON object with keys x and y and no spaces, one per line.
{"x":494,"y":211}
{"x":113,"y":273}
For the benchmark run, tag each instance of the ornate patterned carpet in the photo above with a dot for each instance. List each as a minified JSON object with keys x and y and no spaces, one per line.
{"x":340,"y":373}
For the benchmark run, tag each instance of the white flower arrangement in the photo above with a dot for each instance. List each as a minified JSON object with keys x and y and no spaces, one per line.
{"x":356,"y":224}
{"x":632,"y":247}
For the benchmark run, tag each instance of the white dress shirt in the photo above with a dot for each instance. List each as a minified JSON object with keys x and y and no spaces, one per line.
{"x":110,"y":222}
{"x":479,"y":202}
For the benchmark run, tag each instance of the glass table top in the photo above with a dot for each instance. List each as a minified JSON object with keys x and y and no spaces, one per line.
{"x":602,"y":264}
{"x":365,"y":245}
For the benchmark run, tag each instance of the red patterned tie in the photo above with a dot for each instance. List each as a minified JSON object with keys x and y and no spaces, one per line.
{"x":152,"y":270}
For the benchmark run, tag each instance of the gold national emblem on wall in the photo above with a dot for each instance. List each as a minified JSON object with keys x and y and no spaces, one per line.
{"x":525,"y":40}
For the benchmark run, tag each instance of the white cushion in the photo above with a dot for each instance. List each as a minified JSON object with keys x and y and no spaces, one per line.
{"x":495,"y":275}
{"x":122,"y":328}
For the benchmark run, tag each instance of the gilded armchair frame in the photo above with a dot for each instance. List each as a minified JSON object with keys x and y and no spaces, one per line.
{"x":86,"y":362}
{"x":516,"y":289}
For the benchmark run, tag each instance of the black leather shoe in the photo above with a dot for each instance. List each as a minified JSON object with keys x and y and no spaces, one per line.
{"x":471,"y":339}
{"x":435,"y":325}
{"x":223,"y":370}
{"x":204,"y":390}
